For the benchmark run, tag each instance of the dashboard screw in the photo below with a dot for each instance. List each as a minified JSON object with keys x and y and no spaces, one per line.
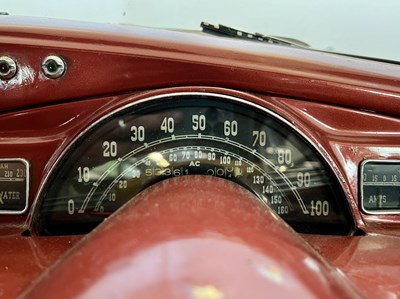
{"x":53,"y":66}
{"x":8,"y":68}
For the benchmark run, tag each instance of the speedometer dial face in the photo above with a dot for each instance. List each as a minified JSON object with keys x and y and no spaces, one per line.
{"x":191,"y":134}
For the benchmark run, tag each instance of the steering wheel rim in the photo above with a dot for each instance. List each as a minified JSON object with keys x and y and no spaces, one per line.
{"x":193,"y":237}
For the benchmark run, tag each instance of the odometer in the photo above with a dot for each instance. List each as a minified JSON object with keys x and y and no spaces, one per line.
{"x":192,"y":134}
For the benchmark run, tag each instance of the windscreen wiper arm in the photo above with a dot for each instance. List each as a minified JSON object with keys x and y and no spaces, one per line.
{"x":221,"y":30}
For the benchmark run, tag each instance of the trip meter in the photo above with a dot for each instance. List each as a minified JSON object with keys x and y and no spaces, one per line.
{"x":191,"y":134}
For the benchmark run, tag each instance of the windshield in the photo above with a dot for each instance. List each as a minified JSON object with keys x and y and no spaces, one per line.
{"x":357,"y":27}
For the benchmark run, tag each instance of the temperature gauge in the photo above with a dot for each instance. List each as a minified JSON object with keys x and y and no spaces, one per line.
{"x":14,"y":184}
{"x":380,"y":186}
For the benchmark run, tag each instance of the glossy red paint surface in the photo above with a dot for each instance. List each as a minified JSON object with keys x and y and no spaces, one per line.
{"x":350,"y":137}
{"x":105,"y":59}
{"x":371,"y":262}
{"x":188,"y":236}
{"x":348,"y":108}
{"x":22,"y":259}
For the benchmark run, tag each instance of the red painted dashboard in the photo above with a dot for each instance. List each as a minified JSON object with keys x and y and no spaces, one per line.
{"x":346,"y":108}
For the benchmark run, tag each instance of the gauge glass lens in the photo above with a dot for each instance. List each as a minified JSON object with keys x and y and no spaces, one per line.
{"x":14,"y":185}
{"x":192,"y":134}
{"x":380,"y":186}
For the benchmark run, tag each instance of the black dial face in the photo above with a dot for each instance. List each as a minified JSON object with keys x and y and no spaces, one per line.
{"x":192,"y":134}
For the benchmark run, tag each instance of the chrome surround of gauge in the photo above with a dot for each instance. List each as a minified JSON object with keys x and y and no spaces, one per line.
{"x":235,"y":99}
{"x":27,"y":180}
{"x":362,"y":165}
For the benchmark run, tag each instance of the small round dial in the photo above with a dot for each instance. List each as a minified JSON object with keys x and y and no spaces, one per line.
{"x":192,"y":134}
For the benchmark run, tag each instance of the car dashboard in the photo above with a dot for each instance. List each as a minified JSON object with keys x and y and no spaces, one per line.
{"x":93,"y":116}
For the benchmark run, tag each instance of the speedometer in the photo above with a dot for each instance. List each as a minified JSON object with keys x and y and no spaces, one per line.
{"x":191,"y":134}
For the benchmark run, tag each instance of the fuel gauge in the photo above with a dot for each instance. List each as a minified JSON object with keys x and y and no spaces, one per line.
{"x":380,"y":186}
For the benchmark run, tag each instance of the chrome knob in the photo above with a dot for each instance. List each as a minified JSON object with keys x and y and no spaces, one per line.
{"x":53,"y":66}
{"x":8,"y":68}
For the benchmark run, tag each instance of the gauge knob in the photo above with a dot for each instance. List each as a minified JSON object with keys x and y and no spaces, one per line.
{"x":53,"y":67}
{"x":8,"y":68}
